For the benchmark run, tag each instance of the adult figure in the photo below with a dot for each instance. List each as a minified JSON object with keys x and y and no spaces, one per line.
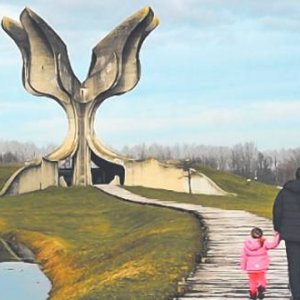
{"x":286,"y":220}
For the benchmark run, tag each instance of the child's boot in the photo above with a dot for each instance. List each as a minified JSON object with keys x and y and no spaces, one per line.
{"x":252,"y":295}
{"x":261,"y":292}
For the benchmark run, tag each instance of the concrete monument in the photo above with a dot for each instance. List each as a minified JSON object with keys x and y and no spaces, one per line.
{"x":115,"y":69}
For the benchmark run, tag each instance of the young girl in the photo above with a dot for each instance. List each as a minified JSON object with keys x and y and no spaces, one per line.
{"x":255,"y":261}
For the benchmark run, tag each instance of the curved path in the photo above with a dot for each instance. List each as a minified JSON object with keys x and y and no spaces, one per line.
{"x":218,"y":276}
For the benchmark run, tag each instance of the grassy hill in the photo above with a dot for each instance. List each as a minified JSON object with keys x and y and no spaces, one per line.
{"x":95,"y":247}
{"x":5,"y":172}
{"x":92,"y":246}
{"x":255,"y":197}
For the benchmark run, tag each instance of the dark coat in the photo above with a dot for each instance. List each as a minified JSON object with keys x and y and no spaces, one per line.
{"x":286,"y":211}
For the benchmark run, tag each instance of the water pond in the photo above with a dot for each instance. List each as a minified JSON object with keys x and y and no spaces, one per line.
{"x":20,"y":280}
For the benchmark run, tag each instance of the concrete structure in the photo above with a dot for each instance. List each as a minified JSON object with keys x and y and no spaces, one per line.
{"x":154,"y":174}
{"x":115,"y":69}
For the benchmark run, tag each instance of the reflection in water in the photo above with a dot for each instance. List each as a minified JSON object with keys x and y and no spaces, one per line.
{"x":19,"y":280}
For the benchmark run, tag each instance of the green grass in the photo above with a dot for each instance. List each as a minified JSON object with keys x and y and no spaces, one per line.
{"x":254,"y":197}
{"x":95,"y":247}
{"x":5,"y":172}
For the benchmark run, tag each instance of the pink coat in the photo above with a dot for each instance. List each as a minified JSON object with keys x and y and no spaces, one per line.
{"x":254,"y":257}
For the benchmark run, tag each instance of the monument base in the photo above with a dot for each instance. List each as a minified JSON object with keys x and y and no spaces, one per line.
{"x":39,"y":175}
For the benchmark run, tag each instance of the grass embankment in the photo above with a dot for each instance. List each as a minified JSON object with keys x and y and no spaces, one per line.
{"x":5,"y":172}
{"x":254,"y":197}
{"x":94,"y":247}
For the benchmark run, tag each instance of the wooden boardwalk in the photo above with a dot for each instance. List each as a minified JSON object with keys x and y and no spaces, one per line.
{"x":218,"y":276}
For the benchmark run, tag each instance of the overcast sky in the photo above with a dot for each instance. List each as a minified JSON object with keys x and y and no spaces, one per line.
{"x":215,"y":72}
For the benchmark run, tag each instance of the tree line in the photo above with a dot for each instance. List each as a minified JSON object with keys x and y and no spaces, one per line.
{"x":272,"y":167}
{"x":14,"y":151}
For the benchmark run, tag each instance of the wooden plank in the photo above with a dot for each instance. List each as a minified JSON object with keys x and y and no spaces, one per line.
{"x":218,"y":276}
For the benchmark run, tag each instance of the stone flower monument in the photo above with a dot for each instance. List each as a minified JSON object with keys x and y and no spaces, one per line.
{"x":114,"y":70}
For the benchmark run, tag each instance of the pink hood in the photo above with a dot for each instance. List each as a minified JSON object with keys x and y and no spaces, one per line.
{"x":254,"y":257}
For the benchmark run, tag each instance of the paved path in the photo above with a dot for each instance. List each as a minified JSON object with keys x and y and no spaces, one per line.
{"x":218,"y":276}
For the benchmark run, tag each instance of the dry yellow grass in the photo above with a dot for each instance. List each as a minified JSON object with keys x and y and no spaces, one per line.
{"x":128,"y":270}
{"x":54,"y":253}
{"x":3,"y":225}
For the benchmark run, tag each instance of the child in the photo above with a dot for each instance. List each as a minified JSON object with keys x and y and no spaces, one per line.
{"x":255,"y":260}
